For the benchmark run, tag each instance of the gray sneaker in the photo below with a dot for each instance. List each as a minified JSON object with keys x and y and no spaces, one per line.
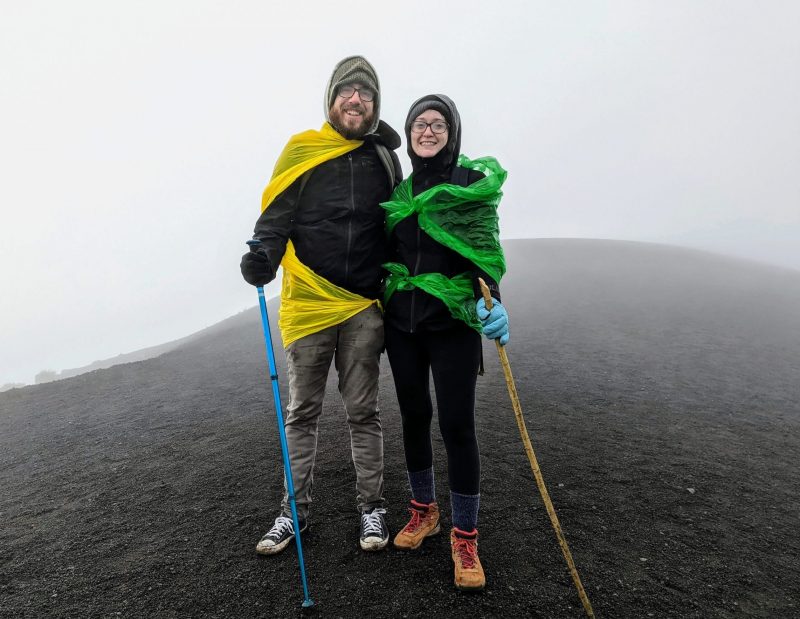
{"x":279,"y":536}
{"x":374,"y":532}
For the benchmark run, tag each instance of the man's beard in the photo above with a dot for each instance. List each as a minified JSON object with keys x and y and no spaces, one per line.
{"x":339,"y":118}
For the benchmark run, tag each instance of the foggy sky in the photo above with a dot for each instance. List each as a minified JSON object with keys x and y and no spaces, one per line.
{"x":137,"y":139}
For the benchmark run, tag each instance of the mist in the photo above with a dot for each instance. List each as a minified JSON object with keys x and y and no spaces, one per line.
{"x":137,"y":140}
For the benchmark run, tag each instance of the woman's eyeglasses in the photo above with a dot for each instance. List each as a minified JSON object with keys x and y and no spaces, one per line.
{"x":437,"y":126}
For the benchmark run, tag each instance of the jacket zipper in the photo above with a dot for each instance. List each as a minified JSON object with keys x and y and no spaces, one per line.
{"x":350,"y":221}
{"x":416,"y":272}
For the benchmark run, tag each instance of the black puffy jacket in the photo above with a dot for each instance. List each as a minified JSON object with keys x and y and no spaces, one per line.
{"x":416,"y":310}
{"x":333,"y":216}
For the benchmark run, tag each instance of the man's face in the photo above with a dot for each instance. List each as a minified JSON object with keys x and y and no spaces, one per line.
{"x":352,"y":116}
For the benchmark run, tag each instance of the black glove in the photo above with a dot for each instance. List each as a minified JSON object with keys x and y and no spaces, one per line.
{"x":256,"y":268}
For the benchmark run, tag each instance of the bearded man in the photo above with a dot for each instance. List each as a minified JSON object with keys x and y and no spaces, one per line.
{"x":322,"y":221}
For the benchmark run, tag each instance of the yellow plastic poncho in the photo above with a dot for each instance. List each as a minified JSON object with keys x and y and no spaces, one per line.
{"x":309,"y":303}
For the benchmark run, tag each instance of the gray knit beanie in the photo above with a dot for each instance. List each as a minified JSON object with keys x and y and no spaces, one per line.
{"x":349,"y":71}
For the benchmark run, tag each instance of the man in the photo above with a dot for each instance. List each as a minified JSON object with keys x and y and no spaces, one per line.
{"x":322,"y":222}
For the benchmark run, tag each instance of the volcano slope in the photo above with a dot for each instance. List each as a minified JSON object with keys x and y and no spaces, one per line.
{"x":660,"y":388}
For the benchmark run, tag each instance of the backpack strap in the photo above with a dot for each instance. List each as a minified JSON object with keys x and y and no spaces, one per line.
{"x":459,"y":176}
{"x":390,"y":163}
{"x":304,"y":181}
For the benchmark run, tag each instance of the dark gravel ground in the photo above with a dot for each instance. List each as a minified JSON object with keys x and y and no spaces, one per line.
{"x":660,"y":388}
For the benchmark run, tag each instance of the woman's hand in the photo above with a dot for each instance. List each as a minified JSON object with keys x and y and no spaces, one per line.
{"x":494,"y":321}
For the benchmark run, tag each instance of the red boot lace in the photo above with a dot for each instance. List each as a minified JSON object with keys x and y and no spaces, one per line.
{"x":416,"y":520}
{"x":467,"y":551}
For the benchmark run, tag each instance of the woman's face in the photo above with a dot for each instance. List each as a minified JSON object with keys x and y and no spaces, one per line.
{"x":425,"y":138}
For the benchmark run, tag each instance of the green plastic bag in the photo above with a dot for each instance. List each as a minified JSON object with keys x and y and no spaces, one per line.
{"x":461,"y":218}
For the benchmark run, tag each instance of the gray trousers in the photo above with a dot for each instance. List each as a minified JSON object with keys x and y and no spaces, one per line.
{"x":355,"y":346}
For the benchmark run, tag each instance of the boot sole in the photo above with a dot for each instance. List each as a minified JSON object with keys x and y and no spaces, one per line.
{"x":435,"y":531}
{"x":470,"y":589}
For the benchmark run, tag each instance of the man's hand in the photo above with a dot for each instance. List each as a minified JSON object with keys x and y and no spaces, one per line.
{"x":256,"y":268}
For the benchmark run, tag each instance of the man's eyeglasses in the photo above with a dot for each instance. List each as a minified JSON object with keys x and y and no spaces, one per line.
{"x":365,"y":94}
{"x":437,"y":126}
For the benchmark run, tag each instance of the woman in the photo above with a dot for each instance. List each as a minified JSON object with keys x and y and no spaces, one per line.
{"x":443,"y":236}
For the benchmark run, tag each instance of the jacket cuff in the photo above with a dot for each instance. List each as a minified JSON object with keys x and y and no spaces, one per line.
{"x":494,"y":289}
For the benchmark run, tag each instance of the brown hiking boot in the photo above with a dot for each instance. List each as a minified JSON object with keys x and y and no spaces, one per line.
{"x":424,"y":523}
{"x":469,"y":571}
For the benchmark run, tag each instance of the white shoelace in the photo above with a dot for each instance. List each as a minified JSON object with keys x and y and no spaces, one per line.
{"x":281,"y":526}
{"x":372,"y":523}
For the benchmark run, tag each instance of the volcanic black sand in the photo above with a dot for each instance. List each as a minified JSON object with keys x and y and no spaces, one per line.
{"x":660,"y":387}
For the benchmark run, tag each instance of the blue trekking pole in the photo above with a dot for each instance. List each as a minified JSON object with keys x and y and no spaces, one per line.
{"x":287,"y":468}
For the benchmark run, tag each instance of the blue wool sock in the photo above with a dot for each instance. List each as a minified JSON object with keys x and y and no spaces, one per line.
{"x":422,"y":488}
{"x":465,"y":510}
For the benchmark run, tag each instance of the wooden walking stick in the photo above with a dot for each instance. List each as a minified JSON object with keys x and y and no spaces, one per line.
{"x":512,"y":391}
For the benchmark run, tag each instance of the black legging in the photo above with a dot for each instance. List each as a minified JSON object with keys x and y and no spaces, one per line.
{"x":453,"y":356}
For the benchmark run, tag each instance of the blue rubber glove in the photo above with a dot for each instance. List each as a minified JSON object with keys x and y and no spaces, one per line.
{"x":494,"y":321}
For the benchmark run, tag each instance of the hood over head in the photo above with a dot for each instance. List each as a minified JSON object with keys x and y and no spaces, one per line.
{"x":448,"y":156}
{"x":349,"y":71}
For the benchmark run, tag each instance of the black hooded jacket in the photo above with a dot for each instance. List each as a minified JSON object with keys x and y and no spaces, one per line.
{"x":333,"y":217}
{"x":416,"y":310}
